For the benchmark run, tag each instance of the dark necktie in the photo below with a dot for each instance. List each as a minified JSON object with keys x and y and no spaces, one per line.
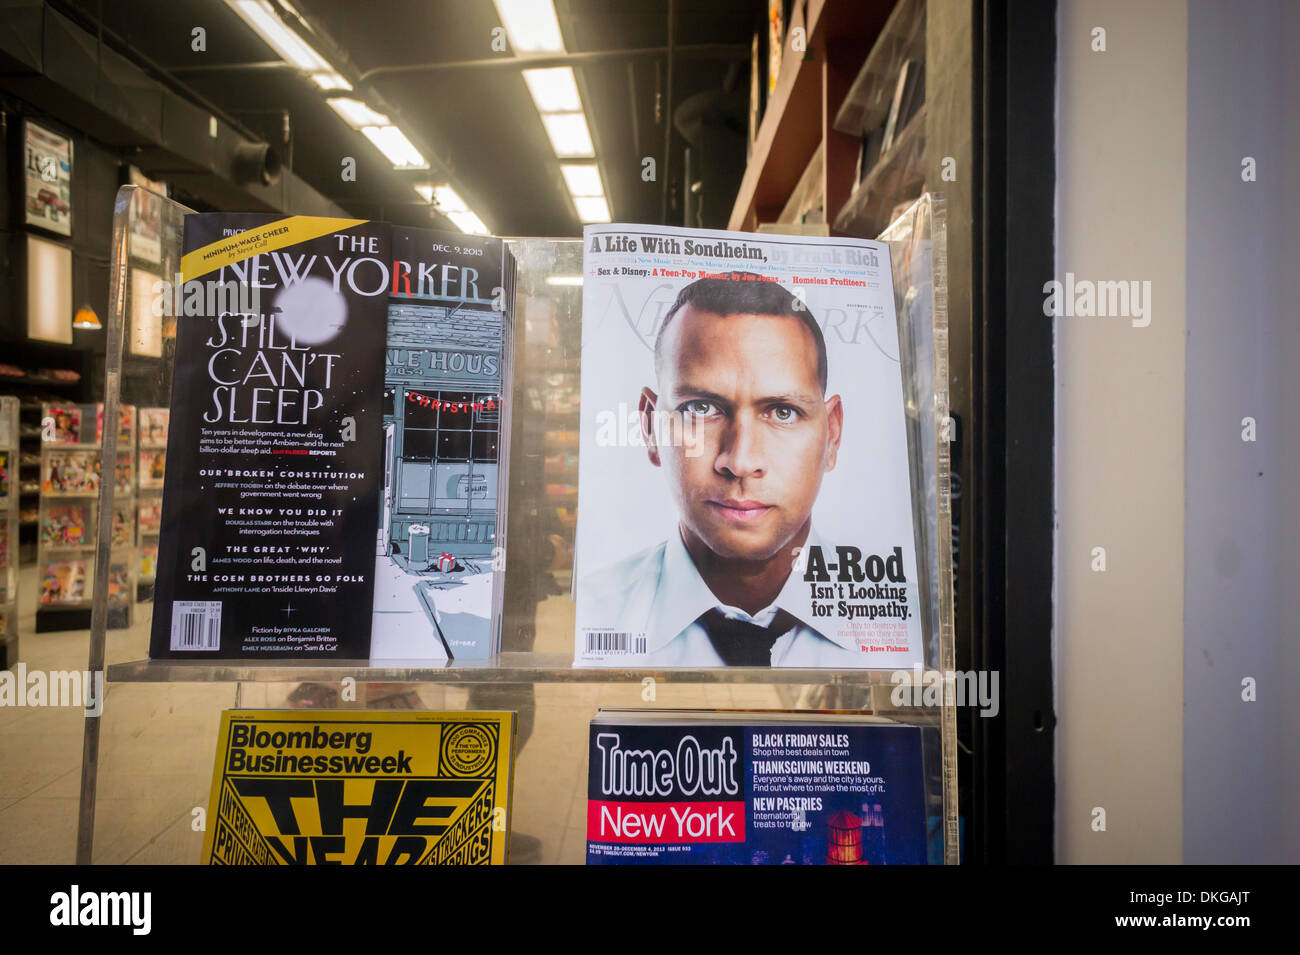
{"x":741,"y":643}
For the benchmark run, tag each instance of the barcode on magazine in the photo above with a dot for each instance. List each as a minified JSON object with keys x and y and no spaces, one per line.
{"x":196,"y":625}
{"x":614,"y":641}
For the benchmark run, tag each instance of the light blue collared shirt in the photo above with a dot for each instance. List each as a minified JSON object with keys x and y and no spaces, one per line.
{"x":659,"y":595}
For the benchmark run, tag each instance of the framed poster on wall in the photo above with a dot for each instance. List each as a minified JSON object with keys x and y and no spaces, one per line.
{"x":146,"y":223}
{"x":49,"y":291}
{"x":49,"y":179}
{"x":146,"y":321}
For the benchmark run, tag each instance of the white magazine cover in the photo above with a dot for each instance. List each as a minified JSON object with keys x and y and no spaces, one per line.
{"x":744,"y":492}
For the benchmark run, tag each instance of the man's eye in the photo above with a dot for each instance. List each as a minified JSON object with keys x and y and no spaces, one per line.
{"x":785,"y":414}
{"x":699,"y":408}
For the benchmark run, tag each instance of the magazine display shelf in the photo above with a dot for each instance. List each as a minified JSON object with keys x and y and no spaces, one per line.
{"x":534,"y":672}
{"x":72,"y":482}
{"x":10,"y":492}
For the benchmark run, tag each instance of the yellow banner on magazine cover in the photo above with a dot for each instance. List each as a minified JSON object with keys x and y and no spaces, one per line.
{"x":350,"y":787}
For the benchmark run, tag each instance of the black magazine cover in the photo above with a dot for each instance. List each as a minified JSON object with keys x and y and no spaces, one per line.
{"x":274,"y":451}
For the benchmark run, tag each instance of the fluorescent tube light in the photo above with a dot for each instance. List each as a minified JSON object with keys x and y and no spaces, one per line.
{"x":331,"y":81}
{"x":392,"y":142}
{"x":357,"y":114}
{"x":570,"y":137}
{"x":564,"y":280}
{"x":554,"y":90}
{"x":426,"y":192}
{"x":449,"y":200}
{"x":531,"y":26}
{"x":450,"y":204}
{"x":468,"y":222}
{"x":291,"y":47}
{"x":583,"y":179}
{"x":592,"y":208}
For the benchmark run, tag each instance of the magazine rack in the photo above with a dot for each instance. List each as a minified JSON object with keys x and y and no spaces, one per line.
{"x":533,"y":674}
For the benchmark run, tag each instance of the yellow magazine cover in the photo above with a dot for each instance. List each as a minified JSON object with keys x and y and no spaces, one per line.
{"x":351,"y":787}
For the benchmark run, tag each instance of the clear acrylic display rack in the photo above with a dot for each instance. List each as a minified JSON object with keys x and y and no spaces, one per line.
{"x":165,"y":714}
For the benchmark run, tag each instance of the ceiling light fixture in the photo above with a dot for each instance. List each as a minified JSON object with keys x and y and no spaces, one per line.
{"x":378,"y":128}
{"x":331,"y":81}
{"x":554,"y":89}
{"x":531,"y":26}
{"x":591,"y":208}
{"x":259,"y":15}
{"x":583,"y":179}
{"x":357,"y":114}
{"x":451,"y":205}
{"x":392,"y":142}
{"x":86,"y":319}
{"x":569,"y":135}
{"x":534,"y":30}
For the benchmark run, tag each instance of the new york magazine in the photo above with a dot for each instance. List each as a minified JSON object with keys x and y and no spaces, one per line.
{"x":744,"y":490}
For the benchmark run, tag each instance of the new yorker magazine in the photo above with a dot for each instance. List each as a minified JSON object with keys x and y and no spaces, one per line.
{"x":440,"y":550}
{"x":273,"y":451}
{"x":745,"y":497}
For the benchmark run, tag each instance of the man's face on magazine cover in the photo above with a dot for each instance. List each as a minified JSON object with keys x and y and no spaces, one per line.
{"x":749,"y":431}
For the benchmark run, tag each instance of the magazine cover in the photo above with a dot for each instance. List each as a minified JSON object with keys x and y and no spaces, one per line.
{"x":70,"y":472}
{"x":63,"y":425}
{"x":744,"y":486}
{"x":150,"y":515}
{"x":126,"y":421}
{"x":345,"y":787}
{"x":153,"y":427}
{"x":66,"y":526}
{"x":272,"y":477}
{"x":702,"y":788}
{"x":440,"y":544}
{"x":148,"y":560}
{"x":152,"y":467}
{"x":145,"y":238}
{"x":64,"y":581}
{"x":119,"y":583}
{"x":49,"y":179}
{"x":124,"y":472}
{"x":123,"y":526}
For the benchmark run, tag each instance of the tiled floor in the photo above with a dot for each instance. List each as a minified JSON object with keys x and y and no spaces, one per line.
{"x":157,"y":744}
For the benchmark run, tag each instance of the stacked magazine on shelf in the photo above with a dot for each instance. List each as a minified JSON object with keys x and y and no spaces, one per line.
{"x":745,"y":496}
{"x":336,"y":428}
{"x":71,"y":478}
{"x":700,"y":787}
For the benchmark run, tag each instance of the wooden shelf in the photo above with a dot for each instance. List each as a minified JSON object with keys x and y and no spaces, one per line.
{"x":796,"y":121}
{"x":895,"y":178}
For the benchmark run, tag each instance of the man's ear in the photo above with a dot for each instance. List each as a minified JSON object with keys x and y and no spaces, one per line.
{"x":646,"y":413}
{"x":835,"y":423}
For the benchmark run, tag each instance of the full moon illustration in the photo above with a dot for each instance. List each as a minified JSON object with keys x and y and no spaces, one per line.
{"x":311,"y":311}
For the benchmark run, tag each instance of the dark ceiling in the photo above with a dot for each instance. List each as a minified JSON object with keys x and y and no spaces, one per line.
{"x":479,"y":122}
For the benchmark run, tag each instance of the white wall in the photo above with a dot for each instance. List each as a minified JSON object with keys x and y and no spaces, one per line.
{"x":1201,"y":529}
{"x":1239,"y":518}
{"x":1121,"y":201}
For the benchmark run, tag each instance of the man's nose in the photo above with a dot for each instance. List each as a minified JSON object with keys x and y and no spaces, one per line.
{"x":741,"y":452}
